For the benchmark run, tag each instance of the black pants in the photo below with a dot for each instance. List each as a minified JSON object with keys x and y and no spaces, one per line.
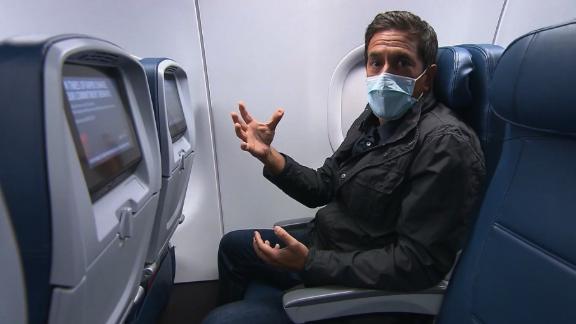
{"x":239,"y":267}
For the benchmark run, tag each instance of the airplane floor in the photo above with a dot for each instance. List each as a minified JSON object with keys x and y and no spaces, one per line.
{"x":190,"y":302}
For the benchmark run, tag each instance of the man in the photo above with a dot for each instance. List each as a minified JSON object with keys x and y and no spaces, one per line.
{"x":398,"y":194}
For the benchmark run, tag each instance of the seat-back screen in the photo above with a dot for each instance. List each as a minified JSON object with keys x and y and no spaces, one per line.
{"x":102,"y":125}
{"x":175,"y":114}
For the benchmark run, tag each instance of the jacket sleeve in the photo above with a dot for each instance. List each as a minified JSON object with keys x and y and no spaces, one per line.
{"x":444,"y":187}
{"x":313,"y":188}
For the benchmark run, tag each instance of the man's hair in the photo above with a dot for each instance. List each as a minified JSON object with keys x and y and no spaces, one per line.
{"x":406,"y":22}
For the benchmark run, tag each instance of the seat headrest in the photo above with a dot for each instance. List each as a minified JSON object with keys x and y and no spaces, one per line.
{"x":534,"y":81}
{"x":452,"y":83}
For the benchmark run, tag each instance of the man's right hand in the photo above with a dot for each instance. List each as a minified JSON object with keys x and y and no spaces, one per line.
{"x":256,"y":137}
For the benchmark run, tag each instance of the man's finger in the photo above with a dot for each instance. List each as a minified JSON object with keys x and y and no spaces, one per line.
{"x":236,"y":120}
{"x":269,"y":252}
{"x":264,"y":247}
{"x":276,"y":117}
{"x":255,"y":243}
{"x":240,"y":133}
{"x":259,"y":253}
{"x":259,"y":241}
{"x":263,"y":250}
{"x":245,"y":147}
{"x":244,"y":112}
{"x":284,"y":236}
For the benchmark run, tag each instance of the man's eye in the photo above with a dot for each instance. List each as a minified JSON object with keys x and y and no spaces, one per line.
{"x":374,"y":63}
{"x":403,"y":63}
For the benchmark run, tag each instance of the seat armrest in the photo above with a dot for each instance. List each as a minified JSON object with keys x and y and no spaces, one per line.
{"x":311,"y":304}
{"x":296,"y":223}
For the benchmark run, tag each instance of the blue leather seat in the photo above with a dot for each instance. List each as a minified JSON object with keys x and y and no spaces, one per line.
{"x":480,"y":115}
{"x":464,"y":74}
{"x":452,"y":83}
{"x":520,"y":263}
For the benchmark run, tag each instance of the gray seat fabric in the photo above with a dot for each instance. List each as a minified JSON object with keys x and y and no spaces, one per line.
{"x":12,"y":294}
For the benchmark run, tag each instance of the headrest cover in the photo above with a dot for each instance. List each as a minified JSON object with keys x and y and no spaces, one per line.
{"x":533,"y":85}
{"x":452,"y":84}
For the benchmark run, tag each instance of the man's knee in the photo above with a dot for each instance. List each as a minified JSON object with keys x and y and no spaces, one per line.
{"x":249,"y":311}
{"x":232,"y":243}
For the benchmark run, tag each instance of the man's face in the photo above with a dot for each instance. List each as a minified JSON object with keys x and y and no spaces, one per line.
{"x":396,"y":52}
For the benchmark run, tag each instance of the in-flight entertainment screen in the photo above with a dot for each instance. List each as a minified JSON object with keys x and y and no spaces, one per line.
{"x":175,"y":114}
{"x":102,"y":124}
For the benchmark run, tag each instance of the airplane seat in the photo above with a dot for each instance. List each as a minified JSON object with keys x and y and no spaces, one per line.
{"x":80,"y":171}
{"x":12,"y":294}
{"x":173,"y":115}
{"x":174,"y":122}
{"x":453,"y":88}
{"x":520,"y":262}
{"x":480,"y":116}
{"x":452,"y":84}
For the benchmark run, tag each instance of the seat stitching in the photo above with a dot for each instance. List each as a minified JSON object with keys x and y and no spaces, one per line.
{"x":533,"y":245}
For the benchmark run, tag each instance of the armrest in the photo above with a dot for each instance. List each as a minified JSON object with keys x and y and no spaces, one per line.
{"x":295,"y":223}
{"x":311,"y":304}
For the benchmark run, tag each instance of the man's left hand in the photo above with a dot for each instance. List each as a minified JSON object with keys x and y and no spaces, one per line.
{"x":292,"y":257}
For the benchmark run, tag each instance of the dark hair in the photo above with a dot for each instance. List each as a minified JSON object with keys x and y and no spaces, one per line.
{"x":407,"y":22}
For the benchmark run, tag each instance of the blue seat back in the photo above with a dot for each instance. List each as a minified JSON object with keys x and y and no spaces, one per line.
{"x":462,"y":80}
{"x":452,"y":83}
{"x":23,"y":170}
{"x":480,"y":115}
{"x":520,"y":263}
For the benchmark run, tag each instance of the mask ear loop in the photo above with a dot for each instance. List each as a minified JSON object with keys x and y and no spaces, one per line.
{"x":416,"y":80}
{"x":423,"y":72}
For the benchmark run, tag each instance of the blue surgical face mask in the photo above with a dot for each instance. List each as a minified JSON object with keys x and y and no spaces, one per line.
{"x":390,"y":95}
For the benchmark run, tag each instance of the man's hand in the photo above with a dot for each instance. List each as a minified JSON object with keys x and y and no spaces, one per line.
{"x":292,"y":257}
{"x":256,"y":136}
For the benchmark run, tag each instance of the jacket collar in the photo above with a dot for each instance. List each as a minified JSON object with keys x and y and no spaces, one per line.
{"x":405,"y":124}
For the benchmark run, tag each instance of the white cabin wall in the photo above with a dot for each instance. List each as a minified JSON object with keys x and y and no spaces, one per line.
{"x":147,"y":28}
{"x":523,"y":16}
{"x":283,"y":53}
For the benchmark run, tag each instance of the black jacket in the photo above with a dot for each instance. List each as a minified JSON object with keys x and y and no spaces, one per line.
{"x":395,"y":216}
